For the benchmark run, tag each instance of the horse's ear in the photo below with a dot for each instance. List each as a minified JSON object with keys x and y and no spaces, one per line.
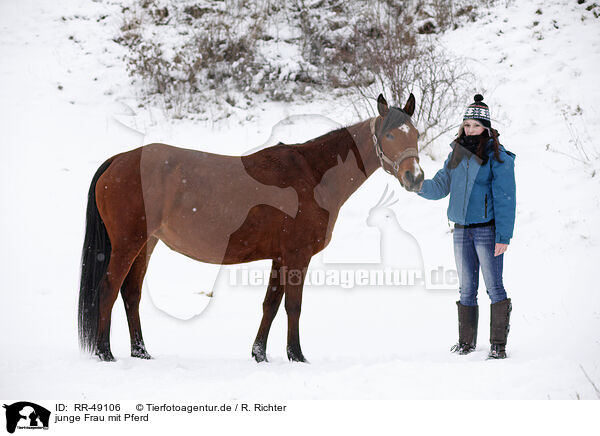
{"x":382,"y":105}
{"x":409,"y":107}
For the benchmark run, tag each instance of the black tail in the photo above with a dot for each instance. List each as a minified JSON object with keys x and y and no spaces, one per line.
{"x":94,"y":263}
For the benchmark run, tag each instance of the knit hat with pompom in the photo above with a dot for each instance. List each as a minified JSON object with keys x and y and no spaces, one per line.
{"x":478,"y":111}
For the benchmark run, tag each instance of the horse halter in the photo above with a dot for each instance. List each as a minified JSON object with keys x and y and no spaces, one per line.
{"x":395,"y":165}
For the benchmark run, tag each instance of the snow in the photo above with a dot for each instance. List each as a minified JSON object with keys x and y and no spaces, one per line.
{"x":67,"y":106}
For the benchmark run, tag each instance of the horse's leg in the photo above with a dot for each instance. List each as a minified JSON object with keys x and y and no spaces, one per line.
{"x":293,"y":285}
{"x":270,"y":307}
{"x":131,"y":291}
{"x":118,"y":268}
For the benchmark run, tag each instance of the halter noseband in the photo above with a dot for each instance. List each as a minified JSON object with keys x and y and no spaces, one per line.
{"x":395,"y":165}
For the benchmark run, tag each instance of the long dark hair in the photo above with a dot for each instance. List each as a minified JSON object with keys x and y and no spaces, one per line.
{"x":481,"y":152}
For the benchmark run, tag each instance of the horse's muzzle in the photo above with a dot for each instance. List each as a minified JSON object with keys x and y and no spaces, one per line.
{"x":412,"y":181}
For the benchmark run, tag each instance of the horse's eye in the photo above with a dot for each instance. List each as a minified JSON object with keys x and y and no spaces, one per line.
{"x":389,"y":136}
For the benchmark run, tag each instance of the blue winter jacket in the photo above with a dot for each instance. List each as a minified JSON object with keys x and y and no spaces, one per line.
{"x":478,"y":193}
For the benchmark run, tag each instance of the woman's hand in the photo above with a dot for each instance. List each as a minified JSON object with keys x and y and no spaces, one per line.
{"x":500,"y":249}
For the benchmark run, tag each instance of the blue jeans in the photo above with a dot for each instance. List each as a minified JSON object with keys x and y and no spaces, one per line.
{"x":474,"y":247}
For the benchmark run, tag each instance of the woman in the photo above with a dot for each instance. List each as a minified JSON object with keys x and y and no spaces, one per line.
{"x":479,"y":176}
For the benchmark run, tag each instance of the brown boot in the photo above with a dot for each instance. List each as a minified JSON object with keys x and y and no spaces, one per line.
{"x":499,"y":327}
{"x":468,"y":317}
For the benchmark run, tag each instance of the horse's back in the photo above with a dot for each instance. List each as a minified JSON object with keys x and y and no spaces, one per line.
{"x":195,"y":201}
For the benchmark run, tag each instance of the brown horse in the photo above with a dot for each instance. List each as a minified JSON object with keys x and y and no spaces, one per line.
{"x":280,"y":203}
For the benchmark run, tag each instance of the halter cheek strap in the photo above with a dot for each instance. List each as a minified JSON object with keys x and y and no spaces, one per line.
{"x":393,"y":164}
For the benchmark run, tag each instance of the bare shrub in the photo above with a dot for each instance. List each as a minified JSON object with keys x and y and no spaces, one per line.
{"x":581,"y":146}
{"x":397,"y":61}
{"x":190,"y":55}
{"x":217,"y":51}
{"x":442,"y":84}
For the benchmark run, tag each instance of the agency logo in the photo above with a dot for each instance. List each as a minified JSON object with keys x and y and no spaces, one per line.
{"x":26,"y":415}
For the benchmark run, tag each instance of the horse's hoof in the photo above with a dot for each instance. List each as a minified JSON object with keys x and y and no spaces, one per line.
{"x":296,"y":356}
{"x":141,"y":354}
{"x":259,"y":353}
{"x":105,"y":356}
{"x":260,"y":357}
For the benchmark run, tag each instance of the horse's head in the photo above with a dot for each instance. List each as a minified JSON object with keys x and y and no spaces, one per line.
{"x":395,"y":139}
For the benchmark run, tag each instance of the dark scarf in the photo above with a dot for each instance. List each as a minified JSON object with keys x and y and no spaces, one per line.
{"x":469,"y":144}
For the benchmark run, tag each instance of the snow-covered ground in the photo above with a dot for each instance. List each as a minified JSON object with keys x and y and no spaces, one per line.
{"x":67,"y":106}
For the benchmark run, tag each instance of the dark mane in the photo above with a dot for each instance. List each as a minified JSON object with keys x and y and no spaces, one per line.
{"x":322,"y":152}
{"x":394,"y":118}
